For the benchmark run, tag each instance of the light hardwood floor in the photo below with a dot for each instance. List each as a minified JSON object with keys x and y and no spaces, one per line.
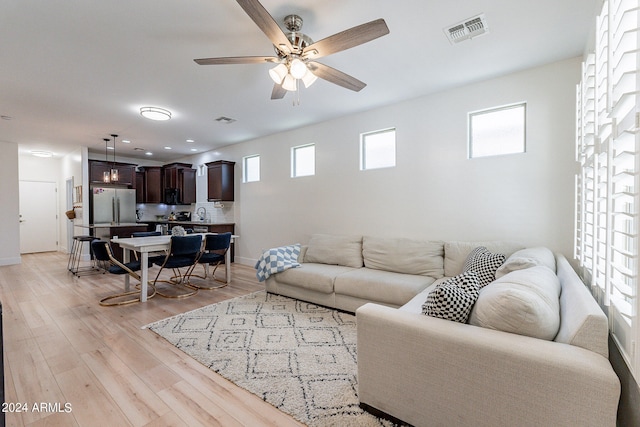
{"x":61,"y":347}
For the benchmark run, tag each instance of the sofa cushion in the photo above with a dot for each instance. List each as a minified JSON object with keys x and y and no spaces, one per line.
{"x":336,"y":250}
{"x":386,"y":287}
{"x":405,"y":256}
{"x":524,"y":302}
{"x":454,"y":298}
{"x":484,"y":263}
{"x":456,"y":253}
{"x":316,"y":277}
{"x":526,"y":258}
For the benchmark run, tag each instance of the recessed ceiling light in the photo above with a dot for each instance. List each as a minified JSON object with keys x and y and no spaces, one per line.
{"x":40,"y":153}
{"x":194,"y":149}
{"x":149,"y":153}
{"x":167,"y":148}
{"x":126,"y":141}
{"x":190,"y":141}
{"x":155,"y":113}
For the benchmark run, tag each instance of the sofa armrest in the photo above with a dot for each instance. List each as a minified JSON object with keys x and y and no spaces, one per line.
{"x":428,"y":371}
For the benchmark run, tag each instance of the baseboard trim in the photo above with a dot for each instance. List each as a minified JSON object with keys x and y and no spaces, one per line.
{"x":245,"y":261}
{"x":11,"y":261}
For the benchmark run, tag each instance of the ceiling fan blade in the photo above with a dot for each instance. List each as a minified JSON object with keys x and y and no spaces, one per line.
{"x":347,"y":39}
{"x":236,"y":60}
{"x":266,"y":23}
{"x":278,"y":91}
{"x":336,"y":77}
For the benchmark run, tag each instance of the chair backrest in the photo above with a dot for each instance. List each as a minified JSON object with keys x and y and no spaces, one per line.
{"x":185,"y":245}
{"x":215,"y":242}
{"x":100,"y":251}
{"x":145,"y":233}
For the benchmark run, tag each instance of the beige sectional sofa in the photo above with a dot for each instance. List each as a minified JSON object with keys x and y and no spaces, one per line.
{"x":495,"y":370}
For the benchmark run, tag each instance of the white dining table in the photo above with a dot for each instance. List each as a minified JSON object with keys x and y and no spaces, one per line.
{"x":145,"y":245}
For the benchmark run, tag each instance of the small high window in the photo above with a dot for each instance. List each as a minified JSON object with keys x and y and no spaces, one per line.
{"x":378,"y":149}
{"x":303,"y":160}
{"x":497,"y":131}
{"x":251,"y":168}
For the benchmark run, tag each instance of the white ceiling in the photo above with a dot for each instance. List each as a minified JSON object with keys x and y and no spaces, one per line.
{"x":73,"y":72}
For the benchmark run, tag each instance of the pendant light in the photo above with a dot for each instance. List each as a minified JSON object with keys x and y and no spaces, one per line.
{"x":106,"y":175}
{"x":114,"y":171}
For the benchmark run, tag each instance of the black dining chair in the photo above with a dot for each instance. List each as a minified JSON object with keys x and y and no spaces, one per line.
{"x":183,"y":252}
{"x":215,"y":248}
{"x":104,"y":257}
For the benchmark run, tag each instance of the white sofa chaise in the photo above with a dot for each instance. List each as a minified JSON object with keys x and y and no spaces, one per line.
{"x":433,"y":372}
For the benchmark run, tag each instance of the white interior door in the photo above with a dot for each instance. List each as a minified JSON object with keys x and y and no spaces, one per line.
{"x":38,"y":217}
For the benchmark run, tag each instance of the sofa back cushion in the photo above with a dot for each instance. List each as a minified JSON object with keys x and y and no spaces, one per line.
{"x":336,"y":250}
{"x":456,"y":253}
{"x":524,"y":302}
{"x":407,"y":256}
{"x":584,"y":324}
{"x":526,"y":258}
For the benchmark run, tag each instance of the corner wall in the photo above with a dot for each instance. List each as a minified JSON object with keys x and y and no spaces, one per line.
{"x":434,"y":192}
{"x":9,"y":200}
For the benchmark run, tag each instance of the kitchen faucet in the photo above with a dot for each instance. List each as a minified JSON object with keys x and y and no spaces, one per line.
{"x":202,"y":213}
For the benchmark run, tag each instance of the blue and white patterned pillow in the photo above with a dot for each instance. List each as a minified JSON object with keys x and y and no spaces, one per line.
{"x":454,"y":298}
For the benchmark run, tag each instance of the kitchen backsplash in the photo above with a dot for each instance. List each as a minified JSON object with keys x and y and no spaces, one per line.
{"x":214,"y":212}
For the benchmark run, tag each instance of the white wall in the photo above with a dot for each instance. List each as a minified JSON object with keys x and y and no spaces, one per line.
{"x":71,"y":169}
{"x":435,"y":192}
{"x":9,"y":200}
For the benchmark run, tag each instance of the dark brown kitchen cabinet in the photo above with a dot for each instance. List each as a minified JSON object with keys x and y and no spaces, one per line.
{"x":220,"y":178}
{"x":151,"y":190}
{"x":126,"y":172}
{"x":180,"y":176}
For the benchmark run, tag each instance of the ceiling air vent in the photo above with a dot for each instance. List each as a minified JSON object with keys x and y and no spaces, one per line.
{"x":225,"y":120}
{"x":467,"y":29}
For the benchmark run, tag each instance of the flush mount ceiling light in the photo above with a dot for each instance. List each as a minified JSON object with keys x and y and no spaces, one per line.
{"x":155,"y":113}
{"x":39,"y":153}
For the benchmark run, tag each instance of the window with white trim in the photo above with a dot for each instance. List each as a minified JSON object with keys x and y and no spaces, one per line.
{"x":378,"y":149}
{"x":608,"y":150}
{"x":497,"y":131}
{"x":251,"y":168}
{"x":303,"y":160}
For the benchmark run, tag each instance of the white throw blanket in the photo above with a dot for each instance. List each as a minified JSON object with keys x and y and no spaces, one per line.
{"x":276,"y":260}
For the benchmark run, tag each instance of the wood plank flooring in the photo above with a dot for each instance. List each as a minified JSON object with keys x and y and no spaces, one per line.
{"x":62,"y":348}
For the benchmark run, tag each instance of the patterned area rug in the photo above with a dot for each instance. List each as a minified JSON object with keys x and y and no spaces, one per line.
{"x":297,"y":356}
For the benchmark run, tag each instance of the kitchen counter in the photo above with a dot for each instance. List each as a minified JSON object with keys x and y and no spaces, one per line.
{"x":122,"y":224}
{"x":207,"y":223}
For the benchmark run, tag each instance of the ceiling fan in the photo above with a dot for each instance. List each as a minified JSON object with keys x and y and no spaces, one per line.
{"x":296,"y":53}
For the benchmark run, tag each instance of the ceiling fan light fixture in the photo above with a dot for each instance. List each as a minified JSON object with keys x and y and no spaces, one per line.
{"x":278,"y":73}
{"x":309,"y":78}
{"x":297,"y":68}
{"x":289,"y":83}
{"x":155,"y":113}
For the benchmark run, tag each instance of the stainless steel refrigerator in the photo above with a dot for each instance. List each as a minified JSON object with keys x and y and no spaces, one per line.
{"x":113,"y":205}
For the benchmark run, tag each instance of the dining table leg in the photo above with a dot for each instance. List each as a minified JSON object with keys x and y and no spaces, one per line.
{"x":145,"y":276}
{"x":126,"y":254}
